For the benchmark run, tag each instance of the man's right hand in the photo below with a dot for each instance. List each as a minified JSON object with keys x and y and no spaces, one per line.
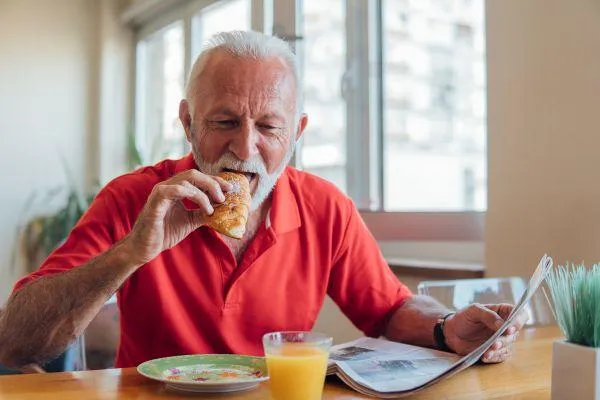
{"x":164,"y":221}
{"x":76,"y":295}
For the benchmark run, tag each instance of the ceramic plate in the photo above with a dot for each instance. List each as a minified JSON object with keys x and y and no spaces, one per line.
{"x":211,"y":373}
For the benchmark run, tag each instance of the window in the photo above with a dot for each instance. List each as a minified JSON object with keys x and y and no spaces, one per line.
{"x":162,"y":67}
{"x":434,"y":102}
{"x":222,"y":16}
{"x":159,"y":82}
{"x":324,"y":62}
{"x":394,"y":90}
{"x":396,"y":101}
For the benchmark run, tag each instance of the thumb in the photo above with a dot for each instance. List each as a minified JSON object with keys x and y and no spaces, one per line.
{"x":488,"y":317}
{"x":197,"y":218}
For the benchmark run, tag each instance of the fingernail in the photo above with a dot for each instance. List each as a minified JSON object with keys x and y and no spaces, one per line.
{"x":211,"y":210}
{"x":221,"y":197}
{"x":512,"y":330}
{"x":498,"y":344}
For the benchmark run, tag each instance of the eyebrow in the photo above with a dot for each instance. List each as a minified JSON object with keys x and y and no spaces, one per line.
{"x":274,"y":116}
{"x":230,"y":113}
{"x":224,"y":111}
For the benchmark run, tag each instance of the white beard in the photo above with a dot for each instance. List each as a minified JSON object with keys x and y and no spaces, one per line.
{"x":256,"y":165}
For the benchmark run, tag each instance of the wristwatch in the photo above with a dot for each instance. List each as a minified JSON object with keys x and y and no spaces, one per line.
{"x":438,"y":333}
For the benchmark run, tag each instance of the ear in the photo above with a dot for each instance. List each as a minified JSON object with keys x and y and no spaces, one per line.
{"x":186,"y":118}
{"x":301,"y":125}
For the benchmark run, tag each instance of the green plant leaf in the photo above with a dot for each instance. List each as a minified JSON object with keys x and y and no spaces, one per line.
{"x":575,"y":292}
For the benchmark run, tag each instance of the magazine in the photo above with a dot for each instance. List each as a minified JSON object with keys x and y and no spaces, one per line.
{"x":385,"y":369}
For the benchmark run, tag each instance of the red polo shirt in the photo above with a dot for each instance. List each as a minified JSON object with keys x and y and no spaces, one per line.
{"x":195,"y":298}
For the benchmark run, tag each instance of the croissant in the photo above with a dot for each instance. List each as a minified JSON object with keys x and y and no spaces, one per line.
{"x":231,"y":216}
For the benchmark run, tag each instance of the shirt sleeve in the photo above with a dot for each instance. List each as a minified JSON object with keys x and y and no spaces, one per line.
{"x":93,"y":234}
{"x":361,"y":282}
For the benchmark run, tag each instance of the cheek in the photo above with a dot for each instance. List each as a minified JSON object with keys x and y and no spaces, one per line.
{"x":273,"y":155}
{"x":210,"y":146}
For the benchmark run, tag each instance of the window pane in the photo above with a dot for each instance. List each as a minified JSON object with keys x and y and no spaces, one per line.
{"x":324,"y":141}
{"x":434,"y":105}
{"x":225,"y":15}
{"x":159,"y":89}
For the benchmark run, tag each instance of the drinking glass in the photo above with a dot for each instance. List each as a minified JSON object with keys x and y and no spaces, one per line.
{"x":297,"y":363}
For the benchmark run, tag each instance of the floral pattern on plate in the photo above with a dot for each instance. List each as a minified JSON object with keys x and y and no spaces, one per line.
{"x":209,"y":369}
{"x":212,"y":373}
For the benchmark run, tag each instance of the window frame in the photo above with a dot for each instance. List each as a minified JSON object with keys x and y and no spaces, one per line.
{"x":150,"y":17}
{"x":364,"y":140}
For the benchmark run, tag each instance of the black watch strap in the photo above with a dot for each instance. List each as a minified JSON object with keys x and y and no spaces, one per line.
{"x":438,"y":333}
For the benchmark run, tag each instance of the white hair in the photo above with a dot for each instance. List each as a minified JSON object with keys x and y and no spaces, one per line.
{"x":244,"y":44}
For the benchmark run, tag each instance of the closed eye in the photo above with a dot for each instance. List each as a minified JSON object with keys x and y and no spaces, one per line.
{"x":227,"y":123}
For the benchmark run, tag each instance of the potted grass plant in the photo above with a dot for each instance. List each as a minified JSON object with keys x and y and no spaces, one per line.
{"x":575,"y":292}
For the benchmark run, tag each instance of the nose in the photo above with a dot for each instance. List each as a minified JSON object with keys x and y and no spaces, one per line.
{"x":245,"y":142}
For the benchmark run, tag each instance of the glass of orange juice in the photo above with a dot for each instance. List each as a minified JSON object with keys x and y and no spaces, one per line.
{"x":297,"y":363}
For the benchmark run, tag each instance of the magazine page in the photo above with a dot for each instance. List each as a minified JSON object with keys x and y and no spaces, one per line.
{"x":366,"y":347}
{"x":389,"y":366}
{"x":375,"y":366}
{"x":536,"y":279}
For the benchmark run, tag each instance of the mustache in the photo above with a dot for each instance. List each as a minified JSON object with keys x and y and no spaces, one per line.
{"x":254,"y":165}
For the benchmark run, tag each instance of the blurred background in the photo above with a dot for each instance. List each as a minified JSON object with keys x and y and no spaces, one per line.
{"x":466,"y":131}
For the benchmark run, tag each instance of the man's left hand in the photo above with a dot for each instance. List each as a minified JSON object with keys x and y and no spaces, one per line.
{"x":473,"y":325}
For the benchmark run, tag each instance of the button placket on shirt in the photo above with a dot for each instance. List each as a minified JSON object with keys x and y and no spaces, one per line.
{"x":263,"y":242}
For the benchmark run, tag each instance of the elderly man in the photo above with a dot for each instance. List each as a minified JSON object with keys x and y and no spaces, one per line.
{"x":183,"y":288}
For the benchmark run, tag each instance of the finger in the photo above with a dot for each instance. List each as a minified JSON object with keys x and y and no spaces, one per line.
{"x":503,"y":342}
{"x":496,"y":356}
{"x":206,"y":183}
{"x":518,"y":325}
{"x":198,"y":217}
{"x":171,"y":193}
{"x":488,"y":317}
{"x":209,"y":185}
{"x":521,"y":320}
{"x":508,"y":340}
{"x":225,"y":186}
{"x":491,"y":357}
{"x":502,"y":309}
{"x":488,"y":355}
{"x":199,"y":197}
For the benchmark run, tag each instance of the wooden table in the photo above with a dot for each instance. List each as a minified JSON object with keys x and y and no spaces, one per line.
{"x":525,"y":376}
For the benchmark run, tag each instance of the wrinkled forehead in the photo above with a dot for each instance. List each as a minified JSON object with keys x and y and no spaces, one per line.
{"x":246,"y":80}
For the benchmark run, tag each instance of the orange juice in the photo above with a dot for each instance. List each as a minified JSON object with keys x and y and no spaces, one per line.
{"x":297,"y":372}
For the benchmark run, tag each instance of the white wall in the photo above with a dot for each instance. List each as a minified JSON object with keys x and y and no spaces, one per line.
{"x":48,"y":66}
{"x":544,"y":133}
{"x":115,"y":89}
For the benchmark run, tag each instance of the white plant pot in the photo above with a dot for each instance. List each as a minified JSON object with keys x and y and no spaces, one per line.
{"x":575,"y":372}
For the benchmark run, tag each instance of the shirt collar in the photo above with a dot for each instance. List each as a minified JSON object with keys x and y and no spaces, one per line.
{"x":284,"y":214}
{"x":184,"y":164}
